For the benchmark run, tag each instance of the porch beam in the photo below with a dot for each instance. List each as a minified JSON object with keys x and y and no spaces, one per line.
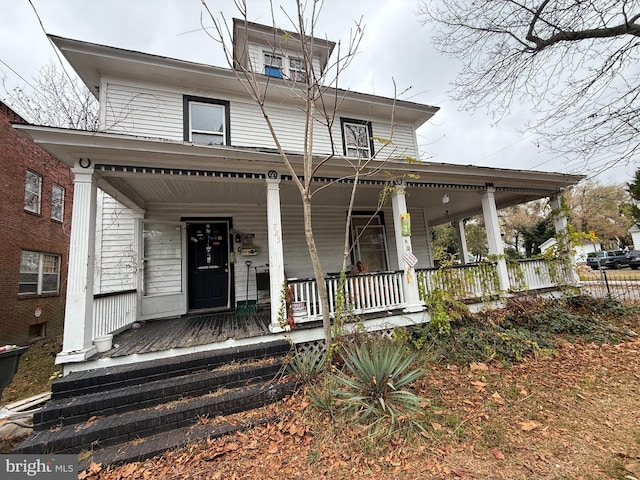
{"x":276,"y":254}
{"x":403,"y":245}
{"x":494,"y":239}
{"x":78,"y":318}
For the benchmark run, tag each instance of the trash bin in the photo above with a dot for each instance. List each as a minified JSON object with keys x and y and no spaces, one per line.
{"x":9,"y":357}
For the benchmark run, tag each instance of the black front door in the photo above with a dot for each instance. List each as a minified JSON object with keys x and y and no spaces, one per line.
{"x":208,"y":262}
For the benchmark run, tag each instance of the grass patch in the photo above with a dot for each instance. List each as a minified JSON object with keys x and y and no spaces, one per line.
{"x":35,"y":371}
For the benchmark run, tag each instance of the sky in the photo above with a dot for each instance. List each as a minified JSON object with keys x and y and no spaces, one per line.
{"x":396,"y":47}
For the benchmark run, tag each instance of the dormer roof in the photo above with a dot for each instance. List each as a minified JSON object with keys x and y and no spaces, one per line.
{"x":275,"y":39}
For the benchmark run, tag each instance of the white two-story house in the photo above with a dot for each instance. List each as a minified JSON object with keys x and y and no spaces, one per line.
{"x":183,"y":205}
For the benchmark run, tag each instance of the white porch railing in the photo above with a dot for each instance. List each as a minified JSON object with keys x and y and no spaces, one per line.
{"x":469,"y":281}
{"x":536,"y":273}
{"x":481,"y":280}
{"x":112,"y":312}
{"x":364,"y":293}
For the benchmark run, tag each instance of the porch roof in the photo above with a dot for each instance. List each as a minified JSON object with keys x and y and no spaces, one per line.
{"x":146,"y":172}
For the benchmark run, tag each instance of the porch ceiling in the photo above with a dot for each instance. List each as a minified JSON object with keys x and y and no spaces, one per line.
{"x":178,"y":174}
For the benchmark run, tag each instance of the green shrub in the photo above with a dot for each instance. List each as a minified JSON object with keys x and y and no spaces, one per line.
{"x":371,"y":388}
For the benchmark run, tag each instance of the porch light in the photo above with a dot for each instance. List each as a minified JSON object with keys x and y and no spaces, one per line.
{"x":445,"y":201}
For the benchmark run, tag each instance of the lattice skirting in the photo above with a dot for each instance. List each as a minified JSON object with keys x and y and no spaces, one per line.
{"x":317,"y":346}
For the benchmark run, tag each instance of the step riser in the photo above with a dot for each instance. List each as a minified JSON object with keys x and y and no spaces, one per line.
{"x":107,"y":407}
{"x":152,"y":422}
{"x":65,"y":412}
{"x":81,"y":383}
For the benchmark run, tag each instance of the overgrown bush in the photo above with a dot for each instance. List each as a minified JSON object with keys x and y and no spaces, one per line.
{"x":524,"y":328}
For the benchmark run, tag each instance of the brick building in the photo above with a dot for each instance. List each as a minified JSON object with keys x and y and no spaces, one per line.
{"x":37,"y":193}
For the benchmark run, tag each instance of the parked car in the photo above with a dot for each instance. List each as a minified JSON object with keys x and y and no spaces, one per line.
{"x":610,"y":259}
{"x":633,"y":259}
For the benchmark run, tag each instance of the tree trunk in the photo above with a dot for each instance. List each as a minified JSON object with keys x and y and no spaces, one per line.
{"x":317,"y":270}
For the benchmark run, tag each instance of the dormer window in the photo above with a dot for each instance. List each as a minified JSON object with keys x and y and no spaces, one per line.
{"x":291,"y":68}
{"x":272,"y":65}
{"x":357,"y":138}
{"x":297,"y":71}
{"x":206,"y":121}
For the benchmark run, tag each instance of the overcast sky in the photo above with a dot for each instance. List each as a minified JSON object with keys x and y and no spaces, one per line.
{"x":395,"y":46}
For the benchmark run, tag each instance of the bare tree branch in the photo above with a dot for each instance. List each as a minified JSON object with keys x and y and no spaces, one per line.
{"x":575,"y":62}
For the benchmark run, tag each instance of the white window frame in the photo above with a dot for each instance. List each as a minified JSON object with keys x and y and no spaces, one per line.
{"x":57,"y":202}
{"x":297,"y":72}
{"x":273,"y":61}
{"x":31,"y":194}
{"x":38,"y":268}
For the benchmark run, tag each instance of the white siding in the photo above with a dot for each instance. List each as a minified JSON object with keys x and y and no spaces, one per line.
{"x":153,"y":112}
{"x":328,"y":228}
{"x":144,"y":112}
{"x":116,"y":252}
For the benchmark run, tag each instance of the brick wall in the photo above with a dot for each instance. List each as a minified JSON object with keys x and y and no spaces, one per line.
{"x":22,"y":230}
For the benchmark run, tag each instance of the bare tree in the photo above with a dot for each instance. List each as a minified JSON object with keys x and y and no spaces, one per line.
{"x":576,"y":62}
{"x":319,"y":99}
{"x":54,"y":100}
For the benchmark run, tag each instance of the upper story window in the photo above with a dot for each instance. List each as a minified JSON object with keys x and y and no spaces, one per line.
{"x":273,"y":65}
{"x":297,"y":71}
{"x":32,"y":192}
{"x":206,"y":121}
{"x":39,"y":273}
{"x":57,"y":202}
{"x":357,"y":138}
{"x":292,"y":68}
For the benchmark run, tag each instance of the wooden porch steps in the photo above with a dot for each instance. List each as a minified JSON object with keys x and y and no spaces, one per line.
{"x":128,"y":413}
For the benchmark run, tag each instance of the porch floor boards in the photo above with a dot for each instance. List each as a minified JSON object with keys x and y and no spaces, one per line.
{"x":187,"y":331}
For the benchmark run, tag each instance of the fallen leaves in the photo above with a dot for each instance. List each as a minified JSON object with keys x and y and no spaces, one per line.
{"x":484,"y":421}
{"x":528,"y":425}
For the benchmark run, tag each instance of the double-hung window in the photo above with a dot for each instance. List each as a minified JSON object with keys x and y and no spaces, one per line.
{"x":206,"y":121}
{"x":273,"y":65}
{"x":297,"y":71}
{"x":39,"y":273}
{"x":57,"y":202}
{"x":357,"y":138}
{"x":32,"y":192}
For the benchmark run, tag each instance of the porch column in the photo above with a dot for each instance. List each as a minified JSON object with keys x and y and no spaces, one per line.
{"x":464,"y":250}
{"x":276,"y":257}
{"x":78,"y":316}
{"x":403,"y":246}
{"x":564,"y":249}
{"x":494,"y":239}
{"x":427,"y":236}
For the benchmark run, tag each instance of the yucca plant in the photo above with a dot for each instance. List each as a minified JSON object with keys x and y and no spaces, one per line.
{"x":371,"y":388}
{"x":306,"y":366}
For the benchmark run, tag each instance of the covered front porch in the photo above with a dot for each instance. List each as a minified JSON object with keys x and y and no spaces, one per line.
{"x":373,"y":300}
{"x":152,"y":217}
